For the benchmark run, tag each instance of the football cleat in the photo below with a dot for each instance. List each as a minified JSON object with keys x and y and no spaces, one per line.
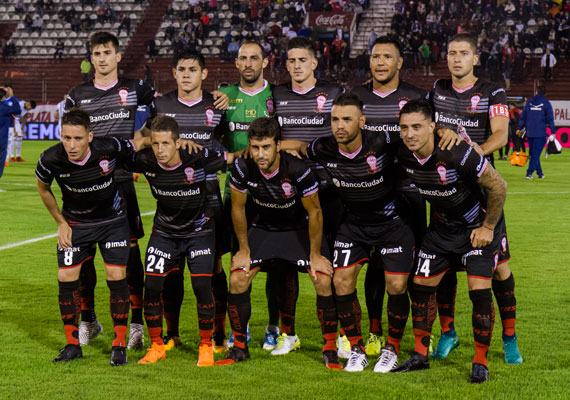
{"x":155,"y":353}
{"x":118,"y":356}
{"x":357,"y":360}
{"x":12,"y":159}
{"x":479,"y":373}
{"x":343,"y":346}
{"x":171,"y":342}
{"x":20,"y":159}
{"x":220,"y":342}
{"x":511,"y":349}
{"x":374,"y":345}
{"x":89,"y":331}
{"x":447,"y":342}
{"x":330,"y":358}
{"x":68,"y":353}
{"x":234,"y":356}
{"x":205,"y":355}
{"x":270,"y":340}
{"x":136,"y":337}
{"x":387,"y":361}
{"x":415,"y":363}
{"x":231,"y":338}
{"x":286,"y":344}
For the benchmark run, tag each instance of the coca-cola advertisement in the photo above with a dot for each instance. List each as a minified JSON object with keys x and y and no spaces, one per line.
{"x":328,"y":20}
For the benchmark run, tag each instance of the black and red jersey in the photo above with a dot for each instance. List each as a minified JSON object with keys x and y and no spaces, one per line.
{"x":277,"y":197}
{"x":447,"y":179}
{"x":88,"y":187}
{"x":364,"y":179}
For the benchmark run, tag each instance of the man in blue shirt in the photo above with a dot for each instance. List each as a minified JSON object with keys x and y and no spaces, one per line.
{"x":536,"y":115}
{"x":8,"y":106}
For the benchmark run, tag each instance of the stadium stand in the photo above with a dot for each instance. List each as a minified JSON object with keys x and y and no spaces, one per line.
{"x":30,"y":31}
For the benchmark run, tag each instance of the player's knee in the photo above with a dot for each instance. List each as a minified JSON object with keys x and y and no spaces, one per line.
{"x":239,"y":282}
{"x":343,"y":283}
{"x":323,"y":285}
{"x":502,"y":272}
{"x":397,"y":285}
{"x":68,"y":275}
{"x":115,"y":273}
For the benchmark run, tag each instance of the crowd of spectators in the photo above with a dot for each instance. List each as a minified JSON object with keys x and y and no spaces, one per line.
{"x":509,"y":31}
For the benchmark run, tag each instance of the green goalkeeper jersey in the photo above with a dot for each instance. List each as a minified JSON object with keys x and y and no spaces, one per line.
{"x":245,"y":106}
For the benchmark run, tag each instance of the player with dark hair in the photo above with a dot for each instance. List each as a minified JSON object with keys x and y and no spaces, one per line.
{"x":183,"y":227}
{"x":303,"y":108}
{"x":198,"y":119}
{"x":361,"y":165}
{"x":383,"y":98}
{"x":466,"y":195}
{"x":477,"y":110}
{"x":92,"y":212}
{"x":15,"y":136}
{"x":8,"y":106}
{"x":251,"y":98}
{"x":287,"y":225}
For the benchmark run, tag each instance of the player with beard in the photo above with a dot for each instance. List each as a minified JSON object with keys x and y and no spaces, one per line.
{"x":477,"y":110}
{"x":303,"y":108}
{"x":383,"y":99}
{"x":466,"y":197}
{"x":251,"y":98}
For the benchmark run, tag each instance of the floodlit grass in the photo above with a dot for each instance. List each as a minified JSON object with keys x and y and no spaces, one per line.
{"x":538,"y":218}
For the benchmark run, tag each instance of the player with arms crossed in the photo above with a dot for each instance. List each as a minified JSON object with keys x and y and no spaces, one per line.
{"x":251,"y":98}
{"x":287,"y":225}
{"x":92,"y":213}
{"x":183,"y":227}
{"x":477,"y":110}
{"x":382,"y":99}
{"x":466,"y":196}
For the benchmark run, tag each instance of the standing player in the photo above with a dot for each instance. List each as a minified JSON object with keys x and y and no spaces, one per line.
{"x":477,"y":110}
{"x":466,"y":195}
{"x":287,"y":225}
{"x":183,"y":228}
{"x":194,"y":111}
{"x":16,"y":134}
{"x":361,"y":167}
{"x":8,"y":106}
{"x":92,"y":212}
{"x":303,"y":109}
{"x":251,"y":98}
{"x":383,"y":98}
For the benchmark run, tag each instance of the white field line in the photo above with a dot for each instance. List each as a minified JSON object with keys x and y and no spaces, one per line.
{"x":24,"y":242}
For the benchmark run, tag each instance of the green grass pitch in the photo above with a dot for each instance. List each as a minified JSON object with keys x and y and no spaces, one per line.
{"x":538,"y":217}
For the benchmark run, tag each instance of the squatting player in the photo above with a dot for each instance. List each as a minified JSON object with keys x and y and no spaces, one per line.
{"x":303,"y":109}
{"x":466,"y":195}
{"x":183,"y":228}
{"x":198,"y":120}
{"x":361,"y":165}
{"x":382,"y":100}
{"x":287,"y":225}
{"x":92,"y":213}
{"x":251,"y":98}
{"x":477,"y":110}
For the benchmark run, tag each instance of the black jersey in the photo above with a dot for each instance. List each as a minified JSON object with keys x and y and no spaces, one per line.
{"x":306,"y":115}
{"x":276,"y":197}
{"x":88,"y":188}
{"x":469,"y":111}
{"x":180,"y":190}
{"x":363,"y":179}
{"x":197,"y":120}
{"x":112,"y":109}
{"x":382,"y":110}
{"x":447,"y":179}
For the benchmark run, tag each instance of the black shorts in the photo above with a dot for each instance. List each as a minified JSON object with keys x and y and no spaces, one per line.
{"x":129,"y":195}
{"x":290,"y":246}
{"x":445,"y":247}
{"x":113,"y":240}
{"x":164,"y":254}
{"x":393,"y":240}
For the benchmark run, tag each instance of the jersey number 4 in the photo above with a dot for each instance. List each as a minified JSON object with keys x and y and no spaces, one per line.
{"x":152,"y":267}
{"x":423,"y":267}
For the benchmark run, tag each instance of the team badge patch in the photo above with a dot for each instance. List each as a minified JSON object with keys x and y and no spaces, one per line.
{"x":104,"y":164}
{"x":371,"y":160}
{"x":287,"y":189}
{"x":475,"y":99}
{"x":123,"y":95}
{"x":189,"y":172}
{"x":209,"y":117}
{"x":269,"y":105}
{"x":442,"y":172}
{"x":321,"y":101}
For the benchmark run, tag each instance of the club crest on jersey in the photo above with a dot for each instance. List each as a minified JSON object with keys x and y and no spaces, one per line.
{"x":371,"y":160}
{"x":442,"y":172}
{"x":321,"y":101}
{"x":209,"y":117}
{"x":123,"y":95}
{"x":287,"y":189}
{"x":269,"y":105}
{"x":189,"y":172}
{"x":104,"y":164}
{"x":474,"y":100}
